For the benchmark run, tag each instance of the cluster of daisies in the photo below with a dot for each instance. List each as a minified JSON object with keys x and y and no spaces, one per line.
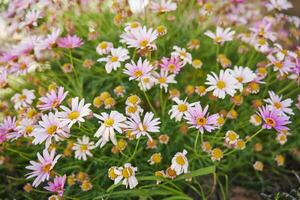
{"x":49,"y":118}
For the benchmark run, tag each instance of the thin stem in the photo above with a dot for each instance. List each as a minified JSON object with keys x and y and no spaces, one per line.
{"x":254,"y":135}
{"x":135,"y":149}
{"x":196,"y":141}
{"x":148,"y":100}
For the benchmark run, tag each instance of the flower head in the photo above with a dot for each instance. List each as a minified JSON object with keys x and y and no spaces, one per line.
{"x":180,"y":163}
{"x":52,"y":99}
{"x":57,"y":186}
{"x":41,"y":169}
{"x":82,"y":148}
{"x":221,"y":35}
{"x":69,"y":42}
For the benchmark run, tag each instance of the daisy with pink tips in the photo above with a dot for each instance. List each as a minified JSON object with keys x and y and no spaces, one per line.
{"x":139,"y":71}
{"x":104,"y":47}
{"x":57,"y":186}
{"x":31,"y":18}
{"x":23,"y":99}
{"x":221,"y":36}
{"x":24,"y":128}
{"x":50,"y":127}
{"x":42,"y":169}
{"x":181,"y":53}
{"x":8,"y":128}
{"x":3,"y":77}
{"x":77,"y":112}
{"x":24,"y":64}
{"x":172,"y":64}
{"x":110,"y":123}
{"x":277,"y":103}
{"x":140,"y":127}
{"x":69,"y":42}
{"x":163,"y":6}
{"x":163,"y":79}
{"x":223,"y":84}
{"x":113,"y":61}
{"x":279,"y":5}
{"x":282,"y":66}
{"x":200,"y":119}
{"x":52,"y":100}
{"x":273,"y":119}
{"x":51,"y":39}
{"x":140,"y":38}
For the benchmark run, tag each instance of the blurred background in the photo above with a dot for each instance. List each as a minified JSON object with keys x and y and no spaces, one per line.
{"x":296,"y":9}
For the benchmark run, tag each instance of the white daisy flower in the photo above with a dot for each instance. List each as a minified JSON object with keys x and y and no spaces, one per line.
{"x":180,"y":163}
{"x":82,"y":148}
{"x":221,"y":35}
{"x":127,"y":174}
{"x":78,"y":111}
{"x":109,"y":124}
{"x":279,"y":5}
{"x":163,"y":79}
{"x":276,"y":102}
{"x":181,"y":53}
{"x":24,"y":99}
{"x":113,"y":61}
{"x":177,"y":111}
{"x":104,"y":47}
{"x":243,"y":75}
{"x":223,"y":84}
{"x":50,"y":127}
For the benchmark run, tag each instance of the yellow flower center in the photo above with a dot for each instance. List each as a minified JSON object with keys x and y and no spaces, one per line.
{"x":127,"y":172}
{"x":180,"y":160}
{"x":162,"y":80}
{"x":221,"y":85}
{"x":109,"y":122}
{"x":31,"y":114}
{"x":232,"y":136}
{"x":133,"y":99}
{"x":217,"y":153}
{"x":134,"y":25}
{"x":156,"y":158}
{"x":277,"y":105}
{"x":138,"y":73}
{"x":171,"y":67}
{"x":182,"y":107}
{"x":171,"y":172}
{"x":103,"y":45}
{"x":278,"y":65}
{"x":23,"y":66}
{"x":220,"y":120}
{"x":111,"y":174}
{"x":144,"y":43}
{"x":22,"y":97}
{"x":240,"y":79}
{"x":114,"y":59}
{"x":218,"y":39}
{"x":182,"y":54}
{"x":132,"y":109}
{"x":55,"y":103}
{"x":51,"y":130}
{"x":28,"y":130}
{"x":46,"y":168}
{"x":201,"y":121}
{"x":73,"y":115}
{"x":83,"y":147}
{"x":271,"y":122}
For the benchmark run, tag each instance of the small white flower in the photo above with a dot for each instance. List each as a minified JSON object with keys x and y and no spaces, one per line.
{"x":78,"y":111}
{"x":276,"y":102}
{"x":82,"y":148}
{"x":223,"y":84}
{"x":109,"y":124}
{"x":24,"y":99}
{"x":243,"y":75}
{"x":221,"y":35}
{"x":181,"y":108}
{"x":127,"y":174}
{"x":181,"y":53}
{"x":180,"y":163}
{"x":163,"y":79}
{"x":113,"y":61}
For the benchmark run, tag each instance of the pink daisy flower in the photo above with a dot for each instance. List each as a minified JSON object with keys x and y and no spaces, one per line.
{"x":199,"y":118}
{"x":162,"y":6}
{"x":52,"y":99}
{"x":143,"y":127}
{"x":276,"y":102}
{"x":138,"y":70}
{"x":49,"y":127}
{"x":31,"y":18}
{"x":273,"y":119}
{"x":140,"y":38}
{"x":7,"y":127}
{"x":41,"y":169}
{"x":173,"y":64}
{"x":51,"y":39}
{"x":24,"y":99}
{"x":69,"y":42}
{"x":57,"y":186}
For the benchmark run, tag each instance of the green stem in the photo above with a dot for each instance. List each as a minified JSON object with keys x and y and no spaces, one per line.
{"x":196,"y":141}
{"x":148,"y":100}
{"x":135,"y":149}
